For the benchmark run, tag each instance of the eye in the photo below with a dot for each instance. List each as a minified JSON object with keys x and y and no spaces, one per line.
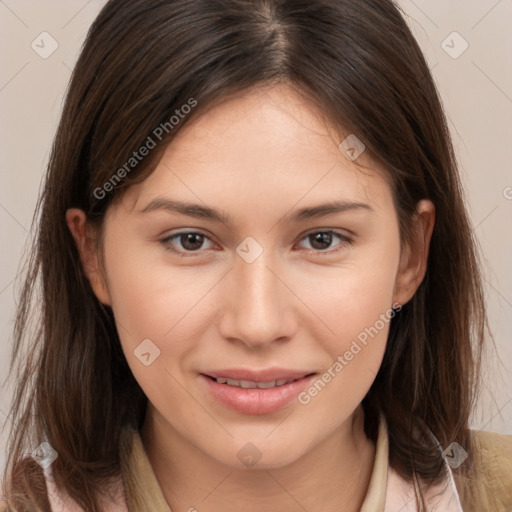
{"x":190,"y":241}
{"x":321,"y":240}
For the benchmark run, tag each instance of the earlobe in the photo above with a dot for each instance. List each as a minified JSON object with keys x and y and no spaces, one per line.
{"x":85,"y":241}
{"x":414,"y":256}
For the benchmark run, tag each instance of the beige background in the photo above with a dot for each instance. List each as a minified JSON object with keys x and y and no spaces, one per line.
{"x":476,"y":88}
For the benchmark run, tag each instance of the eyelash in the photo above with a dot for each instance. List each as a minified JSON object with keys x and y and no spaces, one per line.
{"x":345,"y":241}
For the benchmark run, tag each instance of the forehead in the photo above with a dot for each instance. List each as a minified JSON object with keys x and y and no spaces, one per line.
{"x":270,"y":145}
{"x":276,"y":118}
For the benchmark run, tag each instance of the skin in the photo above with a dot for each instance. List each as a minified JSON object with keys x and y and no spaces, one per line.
{"x":258,"y":157}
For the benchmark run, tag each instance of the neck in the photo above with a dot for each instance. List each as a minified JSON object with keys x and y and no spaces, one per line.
{"x":334,"y":475}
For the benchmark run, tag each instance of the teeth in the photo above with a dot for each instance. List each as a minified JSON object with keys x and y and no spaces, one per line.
{"x":266,"y":385}
{"x":249,"y":384}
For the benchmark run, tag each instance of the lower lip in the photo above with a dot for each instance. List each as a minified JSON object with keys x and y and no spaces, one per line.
{"x":256,"y":400}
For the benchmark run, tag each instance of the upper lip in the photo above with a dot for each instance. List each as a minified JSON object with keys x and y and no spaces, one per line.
{"x":264,"y":375}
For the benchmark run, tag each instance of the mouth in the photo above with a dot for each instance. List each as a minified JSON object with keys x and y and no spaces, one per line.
{"x":252,"y":392}
{"x":249,"y":384}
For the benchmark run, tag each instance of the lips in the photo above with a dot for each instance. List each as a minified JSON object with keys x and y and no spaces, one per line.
{"x":256,"y":392}
{"x":248,"y":384}
{"x":265,"y":375}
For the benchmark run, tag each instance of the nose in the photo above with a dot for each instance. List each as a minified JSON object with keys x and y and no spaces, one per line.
{"x":260,"y":309}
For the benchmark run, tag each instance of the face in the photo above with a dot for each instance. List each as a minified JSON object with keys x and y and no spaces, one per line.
{"x":277,"y":289}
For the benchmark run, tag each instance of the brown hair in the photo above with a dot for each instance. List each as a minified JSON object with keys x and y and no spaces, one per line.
{"x":357,"y":61}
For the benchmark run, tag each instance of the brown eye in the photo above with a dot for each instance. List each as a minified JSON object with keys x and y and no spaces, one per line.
{"x":191,"y":241}
{"x":187,"y":241}
{"x":322,"y":240}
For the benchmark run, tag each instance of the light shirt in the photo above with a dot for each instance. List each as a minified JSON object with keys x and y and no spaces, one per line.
{"x":139,"y":491}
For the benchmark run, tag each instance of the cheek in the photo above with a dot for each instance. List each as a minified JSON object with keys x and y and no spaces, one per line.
{"x":152,"y":310}
{"x":352,"y":297}
{"x":149,"y":296}
{"x":355,"y":351}
{"x":152,"y":306}
{"x":357,"y":307}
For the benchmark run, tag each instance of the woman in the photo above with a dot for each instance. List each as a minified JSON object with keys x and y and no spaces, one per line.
{"x":259,"y":283}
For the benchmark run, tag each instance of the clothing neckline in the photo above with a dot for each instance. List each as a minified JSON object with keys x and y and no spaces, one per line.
{"x":138,"y":490}
{"x":387,"y":490}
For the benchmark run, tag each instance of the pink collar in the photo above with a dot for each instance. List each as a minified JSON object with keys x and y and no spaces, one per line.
{"x":400,"y":495}
{"x":389,"y":492}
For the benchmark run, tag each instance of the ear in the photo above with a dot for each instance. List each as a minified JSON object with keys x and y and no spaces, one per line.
{"x":414,"y":255}
{"x":85,"y":239}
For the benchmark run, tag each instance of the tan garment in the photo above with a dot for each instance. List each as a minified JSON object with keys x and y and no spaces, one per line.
{"x":138,"y":489}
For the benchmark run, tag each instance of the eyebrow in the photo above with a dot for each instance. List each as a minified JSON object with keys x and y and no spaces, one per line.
{"x":206,"y":212}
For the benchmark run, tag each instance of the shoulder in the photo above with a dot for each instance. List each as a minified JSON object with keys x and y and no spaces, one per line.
{"x":494,"y":443}
{"x":493,"y":473}
{"x":41,"y":493}
{"x":495,"y":457}
{"x":24,"y":484}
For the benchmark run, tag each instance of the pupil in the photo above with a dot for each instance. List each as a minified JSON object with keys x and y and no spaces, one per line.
{"x":320,"y":237}
{"x":190,"y":238}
